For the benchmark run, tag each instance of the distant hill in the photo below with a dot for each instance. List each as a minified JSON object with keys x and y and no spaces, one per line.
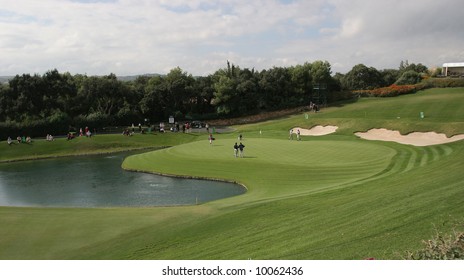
{"x":5,"y":79}
{"x":133,"y":77}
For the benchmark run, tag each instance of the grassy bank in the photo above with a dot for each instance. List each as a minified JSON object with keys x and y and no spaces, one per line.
{"x":329,"y":197}
{"x":99,"y":144}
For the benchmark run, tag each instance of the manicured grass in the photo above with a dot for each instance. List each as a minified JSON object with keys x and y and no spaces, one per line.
{"x":443,"y":110}
{"x":104,"y":143}
{"x":330,"y":197}
{"x":271,"y":168}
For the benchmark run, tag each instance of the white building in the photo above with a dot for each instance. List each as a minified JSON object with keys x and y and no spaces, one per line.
{"x":453,"y":69}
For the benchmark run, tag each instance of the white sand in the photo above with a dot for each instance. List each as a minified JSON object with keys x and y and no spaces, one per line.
{"x":317,"y":130}
{"x":415,"y":138}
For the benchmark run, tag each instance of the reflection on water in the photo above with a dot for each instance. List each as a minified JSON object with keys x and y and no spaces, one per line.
{"x":99,"y":181}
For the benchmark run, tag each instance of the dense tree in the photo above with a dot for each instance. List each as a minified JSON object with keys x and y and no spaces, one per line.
{"x":301,"y":80}
{"x":321,"y":72}
{"x":103,"y":95}
{"x":153,"y":105}
{"x":389,"y":76}
{"x":203,"y":93}
{"x":276,"y":89}
{"x":409,"y":77}
{"x":55,"y":101}
{"x":236,"y":90}
{"x":27,"y":93}
{"x":405,"y":66}
{"x":337,"y":80}
{"x":224,"y":92}
{"x":179,"y":91}
{"x":247,"y":91}
{"x":362,"y":77}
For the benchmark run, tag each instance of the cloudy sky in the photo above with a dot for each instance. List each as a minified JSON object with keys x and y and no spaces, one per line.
{"x":127,"y":37}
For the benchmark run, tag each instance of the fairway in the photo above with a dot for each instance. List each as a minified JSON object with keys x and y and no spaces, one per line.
{"x":325,"y":197}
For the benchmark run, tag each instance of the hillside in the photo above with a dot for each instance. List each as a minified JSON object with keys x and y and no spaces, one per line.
{"x":328,"y":197}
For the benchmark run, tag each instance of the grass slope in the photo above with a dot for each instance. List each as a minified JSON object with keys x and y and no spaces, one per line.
{"x":104,"y":143}
{"x":330,"y":197}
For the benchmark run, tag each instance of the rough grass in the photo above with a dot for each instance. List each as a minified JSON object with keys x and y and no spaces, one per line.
{"x":330,"y":197}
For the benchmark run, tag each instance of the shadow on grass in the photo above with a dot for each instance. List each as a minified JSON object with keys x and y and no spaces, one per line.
{"x":342,"y":103}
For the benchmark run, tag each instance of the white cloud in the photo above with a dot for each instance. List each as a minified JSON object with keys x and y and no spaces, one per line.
{"x":351,"y":27}
{"x":140,"y":36}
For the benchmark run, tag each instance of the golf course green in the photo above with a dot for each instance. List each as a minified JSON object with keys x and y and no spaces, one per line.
{"x":325,"y":197}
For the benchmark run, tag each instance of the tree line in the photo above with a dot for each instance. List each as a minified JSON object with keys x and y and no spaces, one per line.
{"x":58,"y":102}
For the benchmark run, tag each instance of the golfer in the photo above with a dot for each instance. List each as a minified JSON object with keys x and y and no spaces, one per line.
{"x":240,"y":147}
{"x":236,"y":150}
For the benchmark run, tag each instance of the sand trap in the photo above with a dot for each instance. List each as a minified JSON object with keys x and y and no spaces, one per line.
{"x":317,"y":130}
{"x":415,"y":138}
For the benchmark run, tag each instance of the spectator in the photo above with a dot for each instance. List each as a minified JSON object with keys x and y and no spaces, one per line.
{"x":210,"y":138}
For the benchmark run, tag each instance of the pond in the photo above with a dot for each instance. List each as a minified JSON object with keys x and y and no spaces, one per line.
{"x":99,"y":181}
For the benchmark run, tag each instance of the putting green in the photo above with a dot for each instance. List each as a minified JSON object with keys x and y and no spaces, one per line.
{"x":271,"y":168}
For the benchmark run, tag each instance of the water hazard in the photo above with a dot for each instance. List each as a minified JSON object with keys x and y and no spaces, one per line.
{"x":99,"y":181}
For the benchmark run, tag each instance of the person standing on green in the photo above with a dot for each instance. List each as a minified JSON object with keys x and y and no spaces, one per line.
{"x":240,"y":147}
{"x":211,"y":138}
{"x":236,"y":150}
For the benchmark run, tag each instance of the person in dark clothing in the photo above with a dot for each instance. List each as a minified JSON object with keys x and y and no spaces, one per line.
{"x":236,"y":150}
{"x":240,"y":147}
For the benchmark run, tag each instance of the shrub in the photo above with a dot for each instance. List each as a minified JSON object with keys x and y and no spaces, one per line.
{"x":393,"y":90}
{"x":443,"y":82}
{"x":95,"y":120}
{"x":57,"y":124}
{"x":441,"y":247}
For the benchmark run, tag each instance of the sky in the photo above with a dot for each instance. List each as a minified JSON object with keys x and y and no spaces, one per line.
{"x":130,"y":37}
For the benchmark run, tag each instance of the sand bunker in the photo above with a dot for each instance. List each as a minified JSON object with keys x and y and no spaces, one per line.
{"x":317,"y":130}
{"x":415,"y":138}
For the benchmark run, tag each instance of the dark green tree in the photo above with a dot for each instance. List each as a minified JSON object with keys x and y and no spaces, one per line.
{"x":153,"y":103}
{"x":179,"y":92}
{"x":389,"y":77}
{"x":301,"y":80}
{"x":224,"y":92}
{"x":321,"y":72}
{"x":409,"y":77}
{"x":362,"y":77}
{"x":203,"y":93}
